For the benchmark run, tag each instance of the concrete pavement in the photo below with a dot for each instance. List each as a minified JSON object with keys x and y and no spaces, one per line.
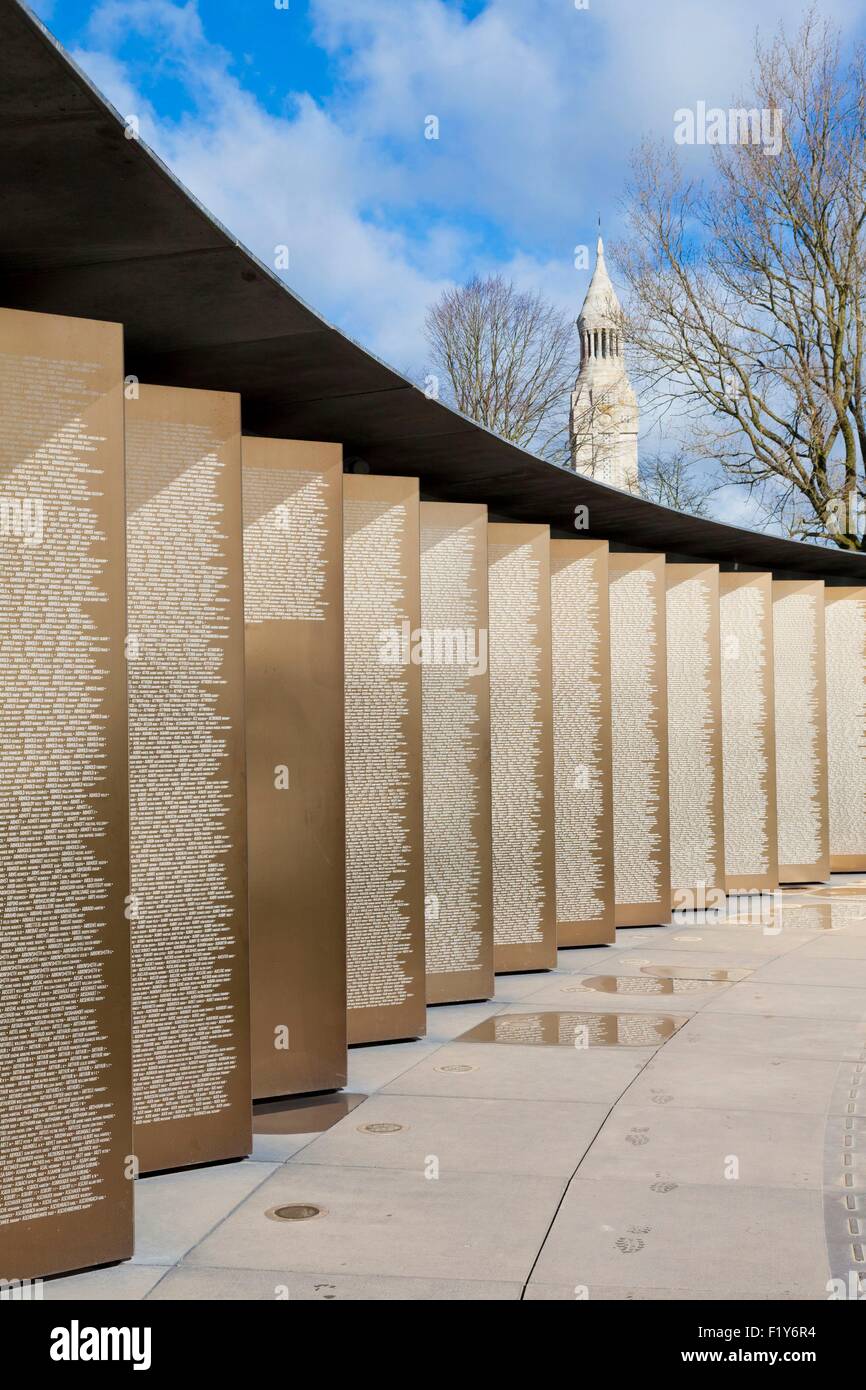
{"x":727,"y":1160}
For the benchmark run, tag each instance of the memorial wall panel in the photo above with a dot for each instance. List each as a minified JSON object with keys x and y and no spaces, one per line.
{"x":384,"y":814}
{"x":639,"y":724}
{"x":188,"y":897}
{"x":845,"y":614}
{"x":65,"y":1096}
{"x":694,"y":734}
{"x":801,"y":730}
{"x":458,"y":867}
{"x":583,"y":777}
{"x":521,"y":747}
{"x":748,"y":732}
{"x":293,"y":609}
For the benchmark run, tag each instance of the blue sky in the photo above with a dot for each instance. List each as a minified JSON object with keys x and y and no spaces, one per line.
{"x":304,"y":127}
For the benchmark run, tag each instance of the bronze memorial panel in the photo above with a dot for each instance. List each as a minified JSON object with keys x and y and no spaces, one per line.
{"x":583,"y":776}
{"x":458,"y":866}
{"x":384,"y":813}
{"x":845,"y":614}
{"x":800,"y":691}
{"x":748,"y":732}
{"x":188,"y":897}
{"x":695,"y":791}
{"x":521,"y":747}
{"x":639,"y":724}
{"x":65,"y":1093}
{"x":293,"y":611}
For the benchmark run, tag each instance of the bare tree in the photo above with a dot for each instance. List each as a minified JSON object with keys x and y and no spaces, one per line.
{"x":747,"y":296}
{"x":509,"y":358}
{"x":675,"y":480}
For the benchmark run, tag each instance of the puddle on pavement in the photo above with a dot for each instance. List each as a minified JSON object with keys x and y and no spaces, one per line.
{"x":842,"y":890}
{"x":696,"y":972}
{"x":578,"y":1030}
{"x":792,"y":916}
{"x":851,"y":892}
{"x":813,"y":916}
{"x":846,"y":901}
{"x":667,"y":981}
{"x":714,"y":974}
{"x":303,"y":1114}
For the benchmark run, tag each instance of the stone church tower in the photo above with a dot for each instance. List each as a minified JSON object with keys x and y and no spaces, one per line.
{"x":604,"y":409}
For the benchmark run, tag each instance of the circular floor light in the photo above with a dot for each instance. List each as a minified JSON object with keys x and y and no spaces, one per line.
{"x":295,"y":1211}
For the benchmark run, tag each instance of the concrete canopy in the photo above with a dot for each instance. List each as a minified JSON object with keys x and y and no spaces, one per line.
{"x":95,"y":226}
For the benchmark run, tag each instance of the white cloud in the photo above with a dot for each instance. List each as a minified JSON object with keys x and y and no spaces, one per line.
{"x":299,"y":180}
{"x":734,"y":505}
{"x":539,"y":106}
{"x":110,"y":76}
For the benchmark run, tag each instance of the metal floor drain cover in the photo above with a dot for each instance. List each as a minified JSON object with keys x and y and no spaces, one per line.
{"x":455,"y":1066}
{"x":297,"y":1211}
{"x":380,"y":1127}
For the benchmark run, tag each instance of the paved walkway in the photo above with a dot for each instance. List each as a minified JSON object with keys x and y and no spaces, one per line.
{"x":721,"y":1156}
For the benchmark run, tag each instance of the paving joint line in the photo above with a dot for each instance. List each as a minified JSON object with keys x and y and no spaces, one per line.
{"x":577,"y":1167}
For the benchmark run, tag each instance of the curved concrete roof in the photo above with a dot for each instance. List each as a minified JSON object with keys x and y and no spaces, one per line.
{"x":94,"y":225}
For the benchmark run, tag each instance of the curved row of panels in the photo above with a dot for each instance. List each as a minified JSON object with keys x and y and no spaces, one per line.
{"x":288,"y":753}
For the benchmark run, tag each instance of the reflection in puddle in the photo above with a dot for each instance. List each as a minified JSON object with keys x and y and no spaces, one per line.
{"x":844,"y":890}
{"x":695,"y":972}
{"x":796,"y":916}
{"x":815,"y":916}
{"x":852,"y":891}
{"x":663,"y":982}
{"x":303,"y":1114}
{"x":553,"y":1029}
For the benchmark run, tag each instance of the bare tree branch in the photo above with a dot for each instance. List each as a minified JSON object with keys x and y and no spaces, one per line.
{"x":675,"y":480}
{"x":746,"y":297}
{"x":509,"y":360}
